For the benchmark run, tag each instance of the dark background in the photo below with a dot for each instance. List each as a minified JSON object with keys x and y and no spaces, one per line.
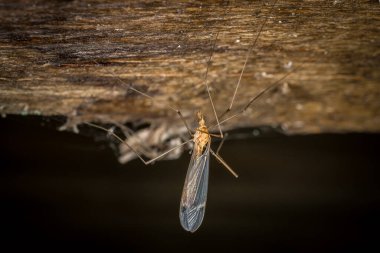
{"x":313,"y":193}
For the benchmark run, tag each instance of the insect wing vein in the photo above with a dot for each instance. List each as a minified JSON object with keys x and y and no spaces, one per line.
{"x":194,"y":194}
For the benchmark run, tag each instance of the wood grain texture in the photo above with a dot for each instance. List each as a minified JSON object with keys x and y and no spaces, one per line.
{"x":49,"y":52}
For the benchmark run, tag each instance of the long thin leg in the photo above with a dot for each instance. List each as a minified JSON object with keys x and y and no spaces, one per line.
{"x":208,"y":87}
{"x":111,"y":133}
{"x":128,"y":133}
{"x":220,"y":159}
{"x":129,"y":87}
{"x":206,"y":75}
{"x":256,"y":97}
{"x":246,"y":60}
{"x":221,"y":143}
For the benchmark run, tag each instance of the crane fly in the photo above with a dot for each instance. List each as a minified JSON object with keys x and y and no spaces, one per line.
{"x":194,"y":194}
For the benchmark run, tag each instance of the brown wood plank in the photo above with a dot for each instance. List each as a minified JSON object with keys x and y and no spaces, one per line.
{"x":48,"y":49}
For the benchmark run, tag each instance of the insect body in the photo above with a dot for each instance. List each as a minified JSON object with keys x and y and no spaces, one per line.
{"x":194,"y":194}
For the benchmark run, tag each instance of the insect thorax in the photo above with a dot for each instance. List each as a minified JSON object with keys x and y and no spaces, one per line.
{"x":201,"y":139}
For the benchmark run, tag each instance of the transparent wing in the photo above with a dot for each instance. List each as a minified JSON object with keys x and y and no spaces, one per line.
{"x":194,"y":194}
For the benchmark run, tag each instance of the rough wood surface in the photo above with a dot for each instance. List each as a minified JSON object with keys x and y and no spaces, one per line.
{"x":48,"y":51}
